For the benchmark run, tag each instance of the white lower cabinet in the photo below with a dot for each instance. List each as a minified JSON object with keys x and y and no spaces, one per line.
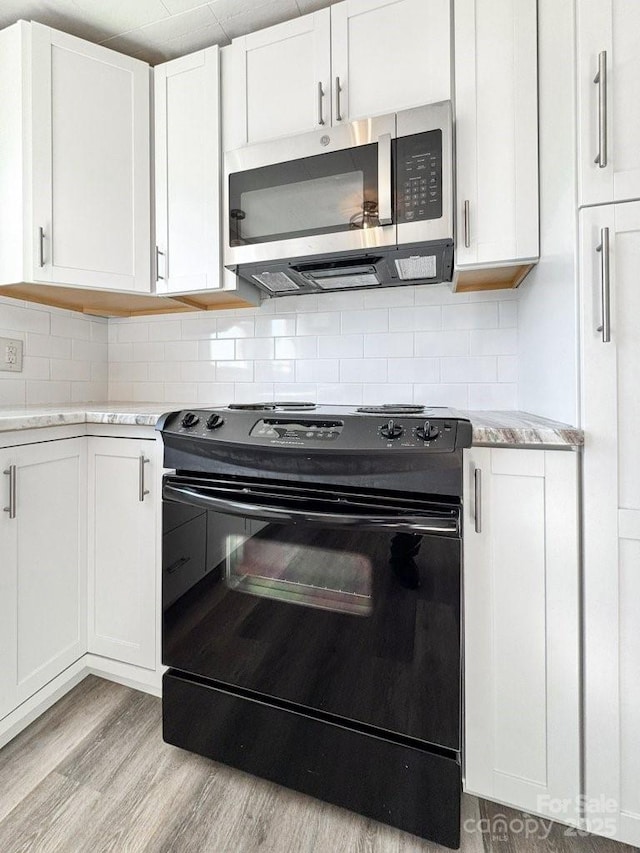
{"x":42,"y":578}
{"x":521,"y":617}
{"x":122,"y":541}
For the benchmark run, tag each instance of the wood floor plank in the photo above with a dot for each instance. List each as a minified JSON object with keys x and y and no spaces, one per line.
{"x":47,"y":819}
{"x":34,"y":753}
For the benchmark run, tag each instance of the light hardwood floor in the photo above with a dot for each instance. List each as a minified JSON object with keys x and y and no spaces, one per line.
{"x":93,"y":775}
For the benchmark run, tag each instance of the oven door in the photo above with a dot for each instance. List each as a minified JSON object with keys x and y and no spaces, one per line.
{"x":326,"y":191}
{"x":339,"y":604}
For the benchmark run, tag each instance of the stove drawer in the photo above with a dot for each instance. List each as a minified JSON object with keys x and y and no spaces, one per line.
{"x":414,"y":789}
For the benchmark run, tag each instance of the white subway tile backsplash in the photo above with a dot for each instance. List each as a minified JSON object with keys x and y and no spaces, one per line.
{"x":474,"y":315}
{"x":454,"y":396}
{"x":128,"y":332}
{"x":235,"y":327}
{"x":275,"y":327}
{"x":388,"y":297}
{"x":493,"y":396}
{"x":507,"y":368}
{"x":147,"y":351}
{"x":318,"y":370}
{"x":180,"y":392}
{"x":415,"y":319}
{"x":442,"y":343}
{"x":508,"y":314}
{"x":181,"y":350}
{"x":389,"y":344}
{"x":423,"y":344}
{"x":318,"y":324}
{"x":276,"y":370}
{"x":297,"y":347}
{"x":469,"y":369}
{"x":70,"y":369}
{"x":234,"y":371}
{"x":414,"y":370}
{"x":341,"y":346}
{"x":363,"y":370}
{"x":371,"y":320}
{"x":493,"y":342}
{"x":223,"y":350}
{"x":254,"y":348}
{"x":387,"y":392}
{"x":47,"y":346}
{"x":169,"y":330}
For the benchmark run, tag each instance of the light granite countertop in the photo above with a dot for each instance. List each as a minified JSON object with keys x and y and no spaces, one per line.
{"x":495,"y":428}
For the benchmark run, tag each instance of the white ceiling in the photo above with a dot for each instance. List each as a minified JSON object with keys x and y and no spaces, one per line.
{"x":157,"y":30}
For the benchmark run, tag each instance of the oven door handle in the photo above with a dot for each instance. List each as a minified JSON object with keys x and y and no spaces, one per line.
{"x":400,"y":524}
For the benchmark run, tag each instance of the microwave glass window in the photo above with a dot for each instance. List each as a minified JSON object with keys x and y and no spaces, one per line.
{"x":324,"y":194}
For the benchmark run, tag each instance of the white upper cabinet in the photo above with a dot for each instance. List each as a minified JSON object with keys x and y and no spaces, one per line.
{"x":609,"y":119}
{"x":77,"y":120}
{"x":496,"y":113}
{"x":281,"y":80}
{"x":358,"y":59}
{"x":42,"y":565}
{"x":610,"y":307}
{"x":522,"y":630}
{"x":389,"y":55}
{"x":187,"y":173}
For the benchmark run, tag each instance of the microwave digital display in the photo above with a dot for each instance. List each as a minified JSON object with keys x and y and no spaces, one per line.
{"x":419,"y":176}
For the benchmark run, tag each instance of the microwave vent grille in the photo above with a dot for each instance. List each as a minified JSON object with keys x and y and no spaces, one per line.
{"x":276,"y":282}
{"x":347,"y":280}
{"x":417,"y":267}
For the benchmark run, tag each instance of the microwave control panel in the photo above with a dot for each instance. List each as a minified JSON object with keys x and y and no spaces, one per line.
{"x":419,"y":176}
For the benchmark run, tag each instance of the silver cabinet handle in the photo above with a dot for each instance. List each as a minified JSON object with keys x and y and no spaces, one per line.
{"x":11,"y":473}
{"x":338,"y":90}
{"x":141,"y":489}
{"x":467,"y":230}
{"x":158,"y":255}
{"x":41,"y":245}
{"x":385,"y":211}
{"x":477,"y":498}
{"x":601,"y":81}
{"x":605,"y":286}
{"x":320,"y":97}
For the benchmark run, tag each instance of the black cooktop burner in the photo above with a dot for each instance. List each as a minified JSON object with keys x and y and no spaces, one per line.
{"x":391,"y":409}
{"x":270,"y":407}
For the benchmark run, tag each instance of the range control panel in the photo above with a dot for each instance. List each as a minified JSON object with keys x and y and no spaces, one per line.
{"x":419,"y":176}
{"x":297,"y":430}
{"x":317,"y":432}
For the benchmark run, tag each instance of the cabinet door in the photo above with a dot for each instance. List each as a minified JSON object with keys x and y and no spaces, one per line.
{"x":187,"y":170}
{"x":389,"y":55}
{"x":91,"y":182}
{"x":281,"y":80}
{"x":42,"y":580}
{"x":609,"y":119}
{"x":122,"y":550}
{"x":496,"y":131}
{"x":611,"y":412}
{"x":521,"y":605}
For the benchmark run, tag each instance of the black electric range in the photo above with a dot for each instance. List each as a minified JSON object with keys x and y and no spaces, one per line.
{"x":311,"y":601}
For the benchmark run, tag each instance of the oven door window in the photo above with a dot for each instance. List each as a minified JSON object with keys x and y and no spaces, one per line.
{"x":299,"y":567}
{"x":324,"y":194}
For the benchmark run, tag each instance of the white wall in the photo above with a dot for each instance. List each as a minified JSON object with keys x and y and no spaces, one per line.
{"x":65,"y":355}
{"x":408,"y":344}
{"x":548,"y":326}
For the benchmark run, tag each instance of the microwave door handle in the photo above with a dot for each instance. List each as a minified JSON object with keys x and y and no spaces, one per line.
{"x":400,"y":524}
{"x":385,"y":208}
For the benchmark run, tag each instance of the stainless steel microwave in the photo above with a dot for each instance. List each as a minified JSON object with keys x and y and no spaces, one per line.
{"x":365,"y":204}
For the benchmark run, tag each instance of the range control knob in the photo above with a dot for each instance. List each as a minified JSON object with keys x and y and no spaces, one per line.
{"x":428,"y":431}
{"x":391,"y":430}
{"x":190,"y":420}
{"x":214,"y":421}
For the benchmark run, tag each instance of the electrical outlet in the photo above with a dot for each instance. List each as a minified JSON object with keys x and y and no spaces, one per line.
{"x":10,"y":355}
